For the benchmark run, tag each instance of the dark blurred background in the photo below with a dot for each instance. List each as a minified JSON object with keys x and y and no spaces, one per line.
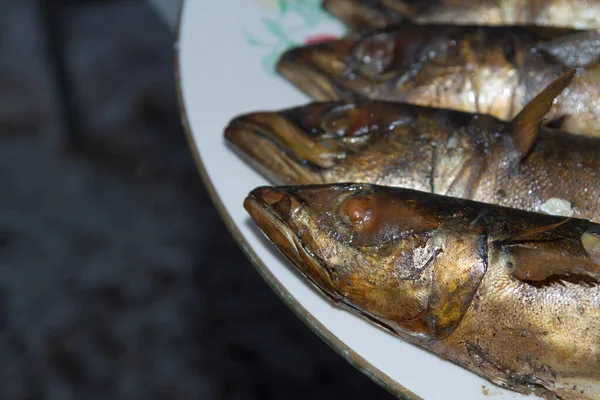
{"x":118,"y":279}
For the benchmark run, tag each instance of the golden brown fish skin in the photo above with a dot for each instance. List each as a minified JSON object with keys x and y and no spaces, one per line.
{"x":434,"y":150}
{"x":580,"y":14}
{"x":490,"y":70}
{"x":445,"y":274}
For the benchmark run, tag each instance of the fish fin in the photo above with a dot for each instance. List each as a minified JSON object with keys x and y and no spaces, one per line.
{"x":536,"y":265}
{"x":500,"y":376}
{"x":465,"y":182}
{"x":525,"y":126}
{"x":536,"y":231}
{"x":563,"y":257}
{"x":458,"y":271}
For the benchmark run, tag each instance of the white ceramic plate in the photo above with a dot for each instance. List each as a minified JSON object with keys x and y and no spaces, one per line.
{"x":226,"y":53}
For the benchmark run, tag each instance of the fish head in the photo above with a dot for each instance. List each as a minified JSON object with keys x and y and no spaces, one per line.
{"x":335,"y":141}
{"x":359,"y":244}
{"x":358,"y":65}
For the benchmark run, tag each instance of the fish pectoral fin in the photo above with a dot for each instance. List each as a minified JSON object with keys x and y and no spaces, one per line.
{"x":537,"y":265}
{"x":548,"y":252}
{"x":525,"y":126}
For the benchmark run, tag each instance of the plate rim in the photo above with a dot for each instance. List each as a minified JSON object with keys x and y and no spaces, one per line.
{"x":290,"y":301}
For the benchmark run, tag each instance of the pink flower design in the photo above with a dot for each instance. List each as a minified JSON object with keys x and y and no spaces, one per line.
{"x":319,"y":38}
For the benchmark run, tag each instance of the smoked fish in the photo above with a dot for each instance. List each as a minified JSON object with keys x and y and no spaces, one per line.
{"x":490,"y":70}
{"x":579,"y":14}
{"x":515,"y":164}
{"x":508,"y":294}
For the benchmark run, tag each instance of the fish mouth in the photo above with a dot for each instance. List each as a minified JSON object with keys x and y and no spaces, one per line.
{"x":273,"y":210}
{"x":314,"y":69}
{"x":263,"y":140}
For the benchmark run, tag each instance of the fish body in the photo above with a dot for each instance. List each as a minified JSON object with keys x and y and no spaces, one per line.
{"x":508,"y":294}
{"x":580,"y":14}
{"x":439,"y":151}
{"x":490,"y":70}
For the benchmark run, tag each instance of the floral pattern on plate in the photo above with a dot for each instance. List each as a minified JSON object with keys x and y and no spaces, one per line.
{"x":287,"y":23}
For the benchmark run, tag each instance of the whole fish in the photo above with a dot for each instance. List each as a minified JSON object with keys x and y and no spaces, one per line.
{"x":580,"y":14}
{"x":491,"y":70}
{"x":517,"y":164}
{"x":510,"y":295}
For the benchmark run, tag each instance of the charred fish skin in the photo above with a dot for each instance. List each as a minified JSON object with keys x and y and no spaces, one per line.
{"x":510,"y":295}
{"x":439,"y":151}
{"x":579,"y":14}
{"x":491,"y":70}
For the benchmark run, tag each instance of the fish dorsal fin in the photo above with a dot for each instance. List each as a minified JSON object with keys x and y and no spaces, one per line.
{"x":525,"y":126}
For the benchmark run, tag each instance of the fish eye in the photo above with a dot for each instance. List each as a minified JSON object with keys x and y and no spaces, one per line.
{"x":356,"y":211}
{"x":349,"y":123}
{"x":375,"y":54}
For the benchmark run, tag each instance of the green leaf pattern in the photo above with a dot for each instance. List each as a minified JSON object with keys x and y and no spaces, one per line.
{"x":283,"y":25}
